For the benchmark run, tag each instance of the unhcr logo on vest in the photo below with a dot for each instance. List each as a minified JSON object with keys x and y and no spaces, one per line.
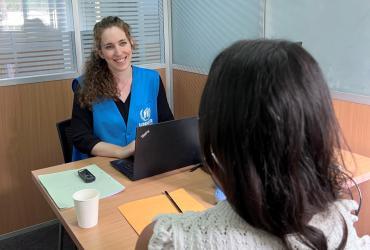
{"x":145,"y":115}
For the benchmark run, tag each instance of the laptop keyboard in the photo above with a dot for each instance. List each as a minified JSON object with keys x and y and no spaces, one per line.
{"x":124,"y":166}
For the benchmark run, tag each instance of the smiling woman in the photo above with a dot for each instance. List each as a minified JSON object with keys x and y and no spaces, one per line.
{"x":113,"y":94}
{"x":116,"y":49}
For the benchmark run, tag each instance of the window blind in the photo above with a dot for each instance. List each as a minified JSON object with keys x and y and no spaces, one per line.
{"x":36,"y":38}
{"x":145,"y":18}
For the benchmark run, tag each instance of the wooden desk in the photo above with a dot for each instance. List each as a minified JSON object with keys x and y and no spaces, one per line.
{"x":113,"y":231}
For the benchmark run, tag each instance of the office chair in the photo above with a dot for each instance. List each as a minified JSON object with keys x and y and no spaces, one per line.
{"x":65,"y":137}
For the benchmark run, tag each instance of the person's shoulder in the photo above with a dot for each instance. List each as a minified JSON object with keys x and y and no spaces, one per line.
{"x":168,"y":225}
{"x":219,"y":226}
{"x":77,"y":82}
{"x":187,"y":217}
{"x":330,"y":222}
{"x":218,"y":214}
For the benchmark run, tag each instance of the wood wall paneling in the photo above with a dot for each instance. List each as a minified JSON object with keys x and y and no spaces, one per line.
{"x":187,"y":91}
{"x":354,"y":120}
{"x":29,"y":141}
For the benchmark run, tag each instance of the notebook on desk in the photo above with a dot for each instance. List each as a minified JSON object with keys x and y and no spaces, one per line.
{"x":140,"y":213}
{"x":162,"y":147}
{"x":62,"y":185}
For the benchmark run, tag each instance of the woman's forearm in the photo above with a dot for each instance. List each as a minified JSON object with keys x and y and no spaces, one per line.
{"x":111,"y":150}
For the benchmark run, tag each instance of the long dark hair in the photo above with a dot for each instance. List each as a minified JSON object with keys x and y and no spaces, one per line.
{"x":98,"y":80}
{"x":270,"y":137}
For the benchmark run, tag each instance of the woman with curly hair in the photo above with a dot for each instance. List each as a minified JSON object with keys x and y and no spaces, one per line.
{"x":113,"y":97}
{"x":271,"y":141}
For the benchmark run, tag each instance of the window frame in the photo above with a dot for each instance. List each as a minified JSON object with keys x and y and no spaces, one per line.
{"x":48,"y":76}
{"x":78,"y":55}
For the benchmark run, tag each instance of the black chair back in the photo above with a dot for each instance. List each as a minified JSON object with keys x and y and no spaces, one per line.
{"x":65,"y":137}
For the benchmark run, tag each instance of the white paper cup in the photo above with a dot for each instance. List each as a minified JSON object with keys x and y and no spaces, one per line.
{"x":87,"y":207}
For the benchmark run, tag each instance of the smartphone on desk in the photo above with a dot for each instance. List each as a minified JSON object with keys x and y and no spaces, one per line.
{"x":86,"y":175}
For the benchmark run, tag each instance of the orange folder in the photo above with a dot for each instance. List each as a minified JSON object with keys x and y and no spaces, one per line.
{"x":140,"y":213}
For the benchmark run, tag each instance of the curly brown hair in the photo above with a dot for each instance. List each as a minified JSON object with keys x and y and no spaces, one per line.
{"x":98,"y":80}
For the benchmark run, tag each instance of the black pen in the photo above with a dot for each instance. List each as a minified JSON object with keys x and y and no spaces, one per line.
{"x":172,"y":201}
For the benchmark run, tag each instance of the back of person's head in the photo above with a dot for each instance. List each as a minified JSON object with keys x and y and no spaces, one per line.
{"x":269,"y":136}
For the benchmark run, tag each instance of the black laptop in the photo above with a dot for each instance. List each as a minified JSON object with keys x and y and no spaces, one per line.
{"x":162,"y":147}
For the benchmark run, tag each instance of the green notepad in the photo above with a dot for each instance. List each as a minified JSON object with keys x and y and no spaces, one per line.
{"x":62,"y":185}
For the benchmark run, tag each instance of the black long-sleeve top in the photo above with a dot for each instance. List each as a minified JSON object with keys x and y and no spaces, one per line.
{"x":82,"y":119}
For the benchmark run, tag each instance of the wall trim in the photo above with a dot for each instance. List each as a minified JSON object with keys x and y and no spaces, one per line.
{"x":152,"y":65}
{"x":356,"y":98}
{"x":64,"y":76}
{"x":37,"y":79}
{"x":167,"y":33}
{"x":77,"y":35}
{"x":189,"y":69}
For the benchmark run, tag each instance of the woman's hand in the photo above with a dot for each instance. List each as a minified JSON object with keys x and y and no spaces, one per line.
{"x":127,"y":150}
{"x":131,"y":147}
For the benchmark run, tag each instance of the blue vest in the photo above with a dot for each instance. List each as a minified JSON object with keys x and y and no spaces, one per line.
{"x":108,"y":123}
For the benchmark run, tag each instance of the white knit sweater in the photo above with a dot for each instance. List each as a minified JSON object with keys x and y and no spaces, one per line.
{"x":222,"y":228}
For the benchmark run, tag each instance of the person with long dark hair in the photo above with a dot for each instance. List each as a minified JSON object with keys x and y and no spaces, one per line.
{"x":113,"y":97}
{"x":272,"y":143}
